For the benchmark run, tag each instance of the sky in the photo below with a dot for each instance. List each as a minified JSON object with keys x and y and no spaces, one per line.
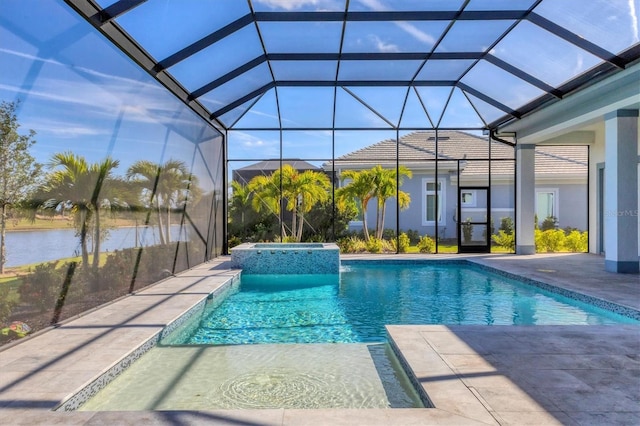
{"x":80,"y":93}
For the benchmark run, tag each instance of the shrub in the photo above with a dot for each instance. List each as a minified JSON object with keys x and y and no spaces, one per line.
{"x":577,"y":241}
{"x":234,"y":241}
{"x":506,"y":225}
{"x":503,"y":239}
{"x":549,"y":223}
{"x":41,"y":287}
{"x":374,"y":245}
{"x":414,"y":236}
{"x":389,"y":234}
{"x":351,"y":245}
{"x":426,"y":244}
{"x":403,"y":243}
{"x":7,"y":302}
{"x":549,"y":241}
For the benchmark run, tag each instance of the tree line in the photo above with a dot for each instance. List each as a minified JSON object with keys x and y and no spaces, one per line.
{"x":302,"y":192}
{"x":68,"y":183}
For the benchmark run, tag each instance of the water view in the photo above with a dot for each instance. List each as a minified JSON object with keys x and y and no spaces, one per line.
{"x":28,"y":247}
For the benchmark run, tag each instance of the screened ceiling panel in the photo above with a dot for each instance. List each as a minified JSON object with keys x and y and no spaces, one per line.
{"x":459,"y":113}
{"x":220,"y":58}
{"x":545,"y":56}
{"x":303,"y":107}
{"x":611,"y":24}
{"x":239,"y":87}
{"x":304,"y":70}
{"x":165,"y":27}
{"x":376,"y":70}
{"x":473,"y":36}
{"x":386,"y":101}
{"x":414,"y":114}
{"x":301,"y":37}
{"x":395,"y":36}
{"x":445,"y":69}
{"x":500,"y":85}
{"x":353,"y":113}
{"x":434,"y":100}
{"x":499,"y":4}
{"x":487,"y":111}
{"x":405,"y":5}
{"x":467,"y":63}
{"x":298,"y":6}
{"x":263,"y":114}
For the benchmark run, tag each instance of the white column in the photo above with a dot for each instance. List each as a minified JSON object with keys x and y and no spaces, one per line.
{"x":621,"y":191}
{"x":525,"y":198}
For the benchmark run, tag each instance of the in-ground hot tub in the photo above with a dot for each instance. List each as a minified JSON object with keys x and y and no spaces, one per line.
{"x":286,"y":258}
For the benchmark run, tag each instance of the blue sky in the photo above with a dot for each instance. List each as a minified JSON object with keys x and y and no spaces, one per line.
{"x":82,"y":94}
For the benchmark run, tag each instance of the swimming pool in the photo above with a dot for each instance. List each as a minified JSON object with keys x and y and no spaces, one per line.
{"x":322,"y":338}
{"x":354,"y":307}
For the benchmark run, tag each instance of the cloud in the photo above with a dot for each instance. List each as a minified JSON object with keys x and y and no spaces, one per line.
{"x":382,"y":46}
{"x":416,"y":33}
{"x":633,"y":13}
{"x":64,"y":130}
{"x":299,"y":4}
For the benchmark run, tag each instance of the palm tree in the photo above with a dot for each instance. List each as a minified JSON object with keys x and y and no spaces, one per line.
{"x":301,"y":191}
{"x":176,"y":186}
{"x":239,"y":200}
{"x":165,"y":185}
{"x":360,"y":187}
{"x":385,"y":182}
{"x":307,"y":189}
{"x":267,"y":195}
{"x":81,"y":186}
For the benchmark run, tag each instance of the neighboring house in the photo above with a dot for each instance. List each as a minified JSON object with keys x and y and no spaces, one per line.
{"x":561,"y":181}
{"x":266,"y":167}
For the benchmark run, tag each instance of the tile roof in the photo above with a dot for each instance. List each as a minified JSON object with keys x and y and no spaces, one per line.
{"x":417,"y":147}
{"x":271,"y":165}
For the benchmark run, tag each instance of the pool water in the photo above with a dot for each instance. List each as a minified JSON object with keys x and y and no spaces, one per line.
{"x":354,"y":306}
{"x":259,"y":376}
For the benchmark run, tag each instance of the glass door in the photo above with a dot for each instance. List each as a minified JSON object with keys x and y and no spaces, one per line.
{"x":474,"y":233}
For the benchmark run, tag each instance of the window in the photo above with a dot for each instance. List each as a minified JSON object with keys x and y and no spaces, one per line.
{"x":433,"y":199}
{"x":468,"y":198}
{"x":546,"y":203}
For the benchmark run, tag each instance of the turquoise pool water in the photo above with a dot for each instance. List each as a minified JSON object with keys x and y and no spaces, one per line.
{"x":355,"y":306}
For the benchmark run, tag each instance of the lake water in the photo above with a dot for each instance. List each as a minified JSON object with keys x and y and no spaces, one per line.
{"x":26,"y":247}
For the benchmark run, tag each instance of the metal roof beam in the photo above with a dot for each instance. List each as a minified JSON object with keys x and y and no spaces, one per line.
{"x":227,"y":77}
{"x":523,"y":75}
{"x":372,"y":56}
{"x":361,"y":83}
{"x":242,"y":100}
{"x":576,"y":40}
{"x":204,"y":42}
{"x":115,"y":10}
{"x":488,"y":100}
{"x":389,"y":16}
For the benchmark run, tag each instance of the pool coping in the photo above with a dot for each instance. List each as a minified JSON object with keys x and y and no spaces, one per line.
{"x":479,"y":414}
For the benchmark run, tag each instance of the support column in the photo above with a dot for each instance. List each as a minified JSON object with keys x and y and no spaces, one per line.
{"x":621,"y":192}
{"x":525,"y":198}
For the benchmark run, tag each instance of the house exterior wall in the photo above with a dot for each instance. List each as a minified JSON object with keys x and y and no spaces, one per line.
{"x":597,"y":162}
{"x":572,"y":202}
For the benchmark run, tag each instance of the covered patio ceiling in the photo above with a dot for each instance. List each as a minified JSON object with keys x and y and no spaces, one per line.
{"x":384,"y":64}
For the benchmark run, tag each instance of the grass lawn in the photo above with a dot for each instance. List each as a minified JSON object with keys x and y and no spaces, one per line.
{"x":58,"y":222}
